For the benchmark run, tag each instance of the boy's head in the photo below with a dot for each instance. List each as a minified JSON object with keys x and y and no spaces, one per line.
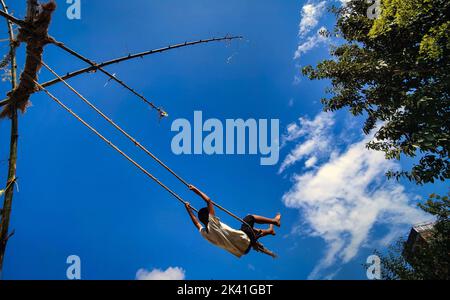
{"x":203,"y":216}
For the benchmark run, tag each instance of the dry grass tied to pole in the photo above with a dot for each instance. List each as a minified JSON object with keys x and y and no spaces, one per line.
{"x":35,"y":34}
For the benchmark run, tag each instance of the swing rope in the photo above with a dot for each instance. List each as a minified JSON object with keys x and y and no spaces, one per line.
{"x":133,"y":140}
{"x":54,"y":98}
{"x":256,"y":244}
{"x":109,"y":120}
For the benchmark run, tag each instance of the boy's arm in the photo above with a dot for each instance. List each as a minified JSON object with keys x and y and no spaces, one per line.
{"x":205,"y":198}
{"x":191,"y":214}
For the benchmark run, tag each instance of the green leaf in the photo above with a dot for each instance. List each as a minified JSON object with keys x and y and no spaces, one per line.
{"x":409,"y":44}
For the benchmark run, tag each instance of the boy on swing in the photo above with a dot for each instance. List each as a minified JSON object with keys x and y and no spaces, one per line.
{"x":237,"y":242}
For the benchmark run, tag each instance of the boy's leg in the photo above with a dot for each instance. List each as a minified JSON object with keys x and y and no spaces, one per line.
{"x":264,"y":232}
{"x":264,"y":220}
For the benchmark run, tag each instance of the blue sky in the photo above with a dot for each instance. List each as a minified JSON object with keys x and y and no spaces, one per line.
{"x":77,"y":197}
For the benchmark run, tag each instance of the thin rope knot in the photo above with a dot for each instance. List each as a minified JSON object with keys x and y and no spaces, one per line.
{"x":15,"y":43}
{"x":162,"y":113}
{"x":34,"y":32}
{"x":12,"y":180}
{"x":8,"y":186}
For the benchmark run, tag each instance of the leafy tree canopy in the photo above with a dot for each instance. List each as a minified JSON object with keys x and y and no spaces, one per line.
{"x":395,"y":71}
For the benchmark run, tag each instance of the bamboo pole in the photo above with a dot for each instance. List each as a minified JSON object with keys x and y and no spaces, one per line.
{"x":136,"y":55}
{"x":113,"y":77}
{"x":98,"y":66}
{"x":12,"y":166}
{"x":4,"y":13}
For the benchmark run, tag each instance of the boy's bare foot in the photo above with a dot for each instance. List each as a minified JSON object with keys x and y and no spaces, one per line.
{"x":271,"y":230}
{"x":278,"y":220}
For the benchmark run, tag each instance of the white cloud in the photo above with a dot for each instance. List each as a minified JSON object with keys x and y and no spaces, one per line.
{"x":310,"y":15}
{"x":344,"y":197}
{"x":310,"y":43}
{"x":311,"y":162}
{"x":316,"y":140}
{"x":171,"y":273}
{"x":311,"y":12}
